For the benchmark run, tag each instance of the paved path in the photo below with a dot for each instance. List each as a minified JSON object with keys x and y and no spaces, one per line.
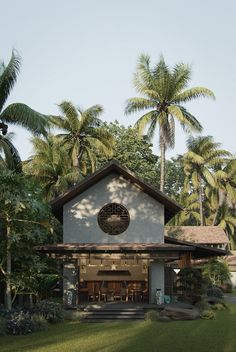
{"x":230,"y":299}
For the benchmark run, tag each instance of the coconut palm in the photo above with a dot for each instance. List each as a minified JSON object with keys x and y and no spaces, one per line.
{"x":224,"y":194}
{"x":17,"y":113}
{"x":164,"y":90}
{"x":202,"y":157}
{"x":9,"y":156}
{"x":51,"y":166}
{"x":189,"y":216}
{"x":83,"y":134}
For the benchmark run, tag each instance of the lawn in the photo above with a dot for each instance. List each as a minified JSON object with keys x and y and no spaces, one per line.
{"x":194,"y":336}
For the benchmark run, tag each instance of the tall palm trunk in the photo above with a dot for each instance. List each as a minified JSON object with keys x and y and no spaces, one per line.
{"x":8,"y":301}
{"x":163,"y":152}
{"x":200,"y":195}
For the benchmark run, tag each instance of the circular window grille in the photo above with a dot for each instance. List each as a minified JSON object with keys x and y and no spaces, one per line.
{"x":113,"y":218}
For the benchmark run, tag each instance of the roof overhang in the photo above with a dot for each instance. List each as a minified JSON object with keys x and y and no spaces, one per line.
{"x":170,"y":247}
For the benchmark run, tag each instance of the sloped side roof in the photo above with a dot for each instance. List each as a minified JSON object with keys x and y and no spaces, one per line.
{"x":200,"y":251}
{"x":171,"y":244}
{"x":171,"y":207}
{"x":198,"y":234}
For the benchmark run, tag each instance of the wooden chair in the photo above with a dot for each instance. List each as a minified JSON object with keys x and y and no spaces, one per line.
{"x":102,"y":294}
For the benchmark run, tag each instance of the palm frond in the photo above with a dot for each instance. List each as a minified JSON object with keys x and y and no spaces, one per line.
{"x":23,"y":115}
{"x":138,"y":104}
{"x":8,"y":77}
{"x":193,"y":93}
{"x":11,"y":155}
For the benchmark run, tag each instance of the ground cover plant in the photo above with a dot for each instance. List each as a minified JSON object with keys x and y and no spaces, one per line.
{"x":198,"y":336}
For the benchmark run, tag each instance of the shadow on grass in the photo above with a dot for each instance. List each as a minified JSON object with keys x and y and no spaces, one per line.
{"x":194,"y":336}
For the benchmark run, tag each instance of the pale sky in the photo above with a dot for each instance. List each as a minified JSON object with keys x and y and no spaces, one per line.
{"x":86,"y":52}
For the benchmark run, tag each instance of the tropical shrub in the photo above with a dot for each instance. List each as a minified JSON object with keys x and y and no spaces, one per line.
{"x":51,"y":311}
{"x":219,"y":306}
{"x":189,"y":285}
{"x":151,"y":315}
{"x":22,"y":323}
{"x":216,"y":272}
{"x":208,"y":315}
{"x":214,"y":292}
{"x":202,"y":305}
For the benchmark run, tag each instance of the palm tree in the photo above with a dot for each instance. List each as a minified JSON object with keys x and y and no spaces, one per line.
{"x":51,"y":166}
{"x":83,"y":134}
{"x":17,"y":113}
{"x":164,"y":90}
{"x":200,"y":161}
{"x":9,"y":156}
{"x":190,"y":215}
{"x":224,"y":194}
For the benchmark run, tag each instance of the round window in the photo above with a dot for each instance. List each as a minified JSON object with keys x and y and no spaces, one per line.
{"x":113,"y":219}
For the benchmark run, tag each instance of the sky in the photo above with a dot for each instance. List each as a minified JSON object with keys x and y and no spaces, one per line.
{"x":87,"y":51}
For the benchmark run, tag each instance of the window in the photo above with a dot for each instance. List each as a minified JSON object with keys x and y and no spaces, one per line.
{"x":113,"y":219}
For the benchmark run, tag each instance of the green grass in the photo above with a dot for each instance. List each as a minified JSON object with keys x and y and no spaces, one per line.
{"x":184,"y":336}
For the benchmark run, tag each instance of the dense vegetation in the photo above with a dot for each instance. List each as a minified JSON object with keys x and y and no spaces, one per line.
{"x":203,"y":180}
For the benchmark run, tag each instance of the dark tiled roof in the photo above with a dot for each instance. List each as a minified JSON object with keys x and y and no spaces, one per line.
{"x":198,"y":234}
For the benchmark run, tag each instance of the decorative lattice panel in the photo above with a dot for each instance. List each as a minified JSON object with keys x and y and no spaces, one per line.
{"x":113,"y":218}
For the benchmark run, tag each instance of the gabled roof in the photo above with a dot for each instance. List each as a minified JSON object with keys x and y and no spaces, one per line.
{"x":198,"y":234}
{"x":171,"y":207}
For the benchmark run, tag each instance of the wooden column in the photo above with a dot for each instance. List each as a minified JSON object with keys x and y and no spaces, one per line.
{"x":185,"y":260}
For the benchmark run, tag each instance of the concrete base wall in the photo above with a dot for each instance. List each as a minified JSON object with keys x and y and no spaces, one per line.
{"x":233,"y":278}
{"x":156,"y":280}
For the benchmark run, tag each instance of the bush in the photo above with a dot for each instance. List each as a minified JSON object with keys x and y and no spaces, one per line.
{"x":216,"y":272}
{"x":3,"y":328}
{"x":51,"y":311}
{"x":151,"y":315}
{"x":22,"y":323}
{"x":208,"y":315}
{"x":202,"y":305}
{"x":219,"y":306}
{"x":214,"y":292}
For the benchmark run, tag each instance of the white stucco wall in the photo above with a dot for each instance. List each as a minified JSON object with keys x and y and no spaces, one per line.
{"x":146,"y":214}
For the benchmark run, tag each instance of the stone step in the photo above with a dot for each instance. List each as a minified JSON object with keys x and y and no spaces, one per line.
{"x":102,"y":315}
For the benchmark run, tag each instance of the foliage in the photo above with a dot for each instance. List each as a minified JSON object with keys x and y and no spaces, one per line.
{"x":216,"y":272}
{"x":163,"y":91}
{"x":17,"y":113}
{"x":133,"y":152}
{"x":190,"y":284}
{"x":208,"y":315}
{"x":51,"y":166}
{"x":219,"y":306}
{"x":25,"y":223}
{"x":22,"y":323}
{"x":151,"y":315}
{"x":202,"y":305}
{"x":83,"y":135}
{"x":199,"y":161}
{"x":51,"y":311}
{"x":136,"y":154}
{"x":214,"y":292}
